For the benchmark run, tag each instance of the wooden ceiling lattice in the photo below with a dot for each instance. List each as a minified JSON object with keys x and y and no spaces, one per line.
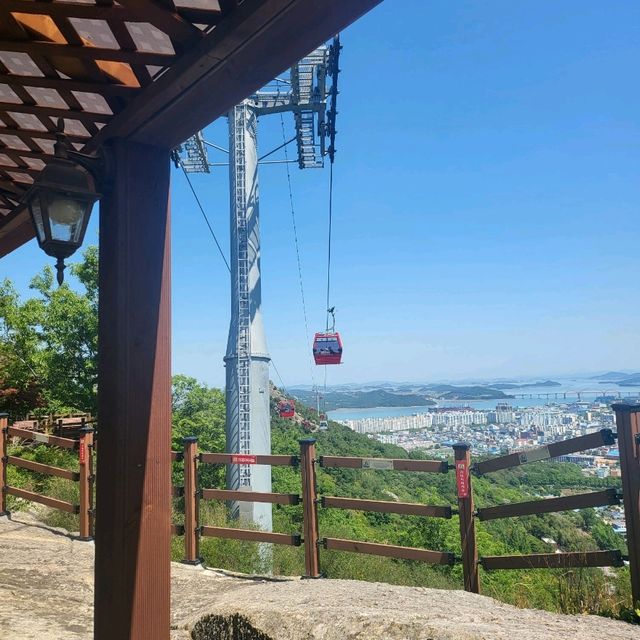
{"x":83,"y":61}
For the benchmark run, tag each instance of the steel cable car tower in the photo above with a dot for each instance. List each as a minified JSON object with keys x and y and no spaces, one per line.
{"x":307,"y":95}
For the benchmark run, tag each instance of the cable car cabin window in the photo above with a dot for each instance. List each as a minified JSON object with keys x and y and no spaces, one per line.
{"x":327,"y":348}
{"x":286,"y":408}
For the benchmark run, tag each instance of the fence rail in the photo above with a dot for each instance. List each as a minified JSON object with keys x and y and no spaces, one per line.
{"x":251,"y":496}
{"x":612,"y":558}
{"x":85,"y":477}
{"x":385,"y":464}
{"x":380,"y":506}
{"x":389,"y":551}
{"x":550,"y":505}
{"x":307,"y":462}
{"x":252,"y":535}
{"x":554,"y":450}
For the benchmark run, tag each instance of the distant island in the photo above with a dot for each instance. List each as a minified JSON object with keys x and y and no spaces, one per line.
{"x":425,"y":396}
{"x":451,"y":392}
{"x":528,"y":385}
{"x":631,"y":381}
{"x":363,"y":399}
{"x":614,"y":376}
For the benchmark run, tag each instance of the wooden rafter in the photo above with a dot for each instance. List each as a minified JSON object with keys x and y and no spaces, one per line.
{"x":60,"y":84}
{"x":86,"y":53}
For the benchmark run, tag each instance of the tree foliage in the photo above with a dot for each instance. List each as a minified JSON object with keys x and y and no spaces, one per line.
{"x":49,"y":343}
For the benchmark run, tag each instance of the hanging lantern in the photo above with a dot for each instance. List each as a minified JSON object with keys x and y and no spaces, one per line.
{"x":60,"y":202}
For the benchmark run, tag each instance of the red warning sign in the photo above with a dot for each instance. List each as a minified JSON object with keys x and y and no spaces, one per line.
{"x":462,"y":478}
{"x":243,"y":459}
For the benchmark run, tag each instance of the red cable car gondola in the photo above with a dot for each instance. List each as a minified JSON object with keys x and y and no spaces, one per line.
{"x":286,"y":408}
{"x":327,"y":348}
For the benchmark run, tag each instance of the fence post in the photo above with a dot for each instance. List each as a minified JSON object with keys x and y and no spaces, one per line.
{"x":628,"y":423}
{"x":85,"y":453}
{"x":191,"y":500}
{"x":310,"y":508}
{"x":462,"y":456}
{"x":4,"y":426}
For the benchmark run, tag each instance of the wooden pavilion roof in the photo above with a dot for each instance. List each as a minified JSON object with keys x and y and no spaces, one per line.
{"x":152,"y":70}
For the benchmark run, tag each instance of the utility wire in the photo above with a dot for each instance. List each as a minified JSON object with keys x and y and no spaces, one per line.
{"x":204,"y":215}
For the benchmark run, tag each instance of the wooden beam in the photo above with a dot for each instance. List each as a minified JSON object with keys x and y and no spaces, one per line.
{"x":565,"y":560}
{"x":15,"y":153}
{"x":16,"y":234}
{"x":382,"y":506}
{"x":601,"y":438}
{"x":51,"y":50}
{"x":133,"y":520}
{"x":389,"y":551}
{"x":43,"y":135}
{"x":628,"y":424}
{"x":102,"y":88}
{"x":200,"y":16}
{"x":244,"y":52}
{"x":54,"y":112}
{"x":170,"y":22}
{"x":550,"y":505}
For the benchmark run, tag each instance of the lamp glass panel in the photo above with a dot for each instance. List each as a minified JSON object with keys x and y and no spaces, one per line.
{"x":66,"y":215}
{"x":36,"y":213}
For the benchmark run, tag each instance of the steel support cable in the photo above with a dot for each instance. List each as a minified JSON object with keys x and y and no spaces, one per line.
{"x":329,"y":310}
{"x":204,"y":215}
{"x":297,"y":246}
{"x":284,"y":388}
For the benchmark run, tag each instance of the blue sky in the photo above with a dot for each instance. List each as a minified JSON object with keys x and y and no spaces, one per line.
{"x":486,"y":203}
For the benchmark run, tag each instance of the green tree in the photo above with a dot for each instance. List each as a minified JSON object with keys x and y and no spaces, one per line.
{"x":49,"y":343}
{"x":199,"y":410}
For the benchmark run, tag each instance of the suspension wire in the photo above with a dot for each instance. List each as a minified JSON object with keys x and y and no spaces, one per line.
{"x":295,"y":239}
{"x":204,"y":215}
{"x":284,"y":388}
{"x":329,"y":309}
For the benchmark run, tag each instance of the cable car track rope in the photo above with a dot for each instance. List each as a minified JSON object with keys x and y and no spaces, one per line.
{"x":297,"y":246}
{"x":329,"y":313}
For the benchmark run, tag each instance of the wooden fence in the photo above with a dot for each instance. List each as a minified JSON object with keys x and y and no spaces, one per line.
{"x":83,"y":445}
{"x":307,"y":461}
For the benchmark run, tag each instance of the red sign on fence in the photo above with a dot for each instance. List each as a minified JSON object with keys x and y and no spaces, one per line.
{"x":82,"y":453}
{"x":462,"y":478}
{"x":243,"y":459}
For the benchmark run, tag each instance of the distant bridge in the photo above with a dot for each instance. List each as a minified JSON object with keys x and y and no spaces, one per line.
{"x":563,"y":395}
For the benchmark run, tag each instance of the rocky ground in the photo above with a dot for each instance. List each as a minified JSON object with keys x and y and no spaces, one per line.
{"x":46,"y":593}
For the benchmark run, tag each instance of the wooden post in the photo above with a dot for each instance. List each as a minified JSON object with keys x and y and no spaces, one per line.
{"x":4,"y":426}
{"x":628,"y":423}
{"x":85,"y":452}
{"x":462,"y":458}
{"x":310,"y":508}
{"x":133,"y":519}
{"x":191,"y":501}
